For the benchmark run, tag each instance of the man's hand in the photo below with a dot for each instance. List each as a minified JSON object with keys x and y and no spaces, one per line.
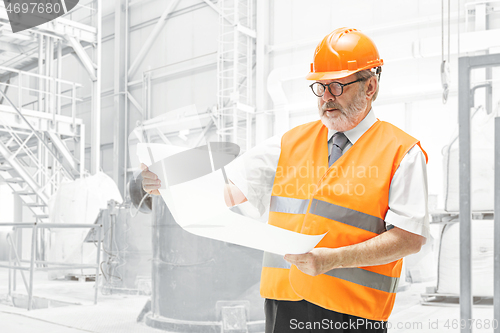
{"x":232,"y":195}
{"x":150,"y":181}
{"x":387,"y":247}
{"x":318,"y":261}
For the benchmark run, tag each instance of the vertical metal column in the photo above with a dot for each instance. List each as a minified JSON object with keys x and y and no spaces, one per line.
{"x":464,"y":106}
{"x":236,"y":59}
{"x":464,"y":138}
{"x":95,"y":159}
{"x":59,"y":76}
{"x":125,"y":151}
{"x":99,"y":233}
{"x":120,"y":97}
{"x":262,"y":61}
{"x":10,"y":271}
{"x":40,"y":71}
{"x":34,"y":245}
{"x":496,"y":239}
{"x":18,"y":233}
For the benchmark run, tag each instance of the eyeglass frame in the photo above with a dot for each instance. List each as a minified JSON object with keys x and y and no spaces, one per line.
{"x":342,"y":85}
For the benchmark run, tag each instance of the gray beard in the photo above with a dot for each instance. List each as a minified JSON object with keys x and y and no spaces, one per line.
{"x":350,"y":116}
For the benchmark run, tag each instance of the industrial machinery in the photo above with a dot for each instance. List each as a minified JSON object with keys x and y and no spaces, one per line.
{"x":202,"y":285}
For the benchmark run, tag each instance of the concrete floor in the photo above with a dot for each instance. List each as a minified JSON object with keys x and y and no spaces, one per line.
{"x":112,"y":314}
{"x":118,"y":313}
{"x":409,"y":315}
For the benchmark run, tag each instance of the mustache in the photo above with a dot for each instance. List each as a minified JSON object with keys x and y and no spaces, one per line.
{"x":331,"y":105}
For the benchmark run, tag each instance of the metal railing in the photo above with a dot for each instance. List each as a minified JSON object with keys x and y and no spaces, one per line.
{"x":52,"y":96}
{"x":16,"y":262}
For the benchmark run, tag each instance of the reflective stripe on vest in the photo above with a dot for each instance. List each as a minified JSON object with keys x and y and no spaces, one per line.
{"x":366,"y":278}
{"x":347,"y":216}
{"x":288,"y":205}
{"x":330,"y":211}
{"x":355,"y":275}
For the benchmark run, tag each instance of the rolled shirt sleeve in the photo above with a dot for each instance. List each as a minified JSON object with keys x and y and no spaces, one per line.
{"x":408,"y":194}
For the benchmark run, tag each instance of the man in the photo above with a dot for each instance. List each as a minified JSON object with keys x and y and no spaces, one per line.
{"x":360,"y":180}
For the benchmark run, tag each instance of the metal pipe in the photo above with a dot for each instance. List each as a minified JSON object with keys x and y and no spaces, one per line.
{"x":47,"y":73}
{"x":125,"y":152}
{"x":63,"y":264}
{"x":10,"y":271}
{"x":496,"y":241}
{"x":54,"y":268}
{"x":464,"y":137}
{"x":40,"y":70}
{"x":73,"y":266}
{"x":95,"y":163}
{"x":26,"y":224}
{"x":52,"y":82}
{"x":50,"y":163}
{"x":12,"y":246}
{"x":152,"y":37}
{"x":149,"y":113}
{"x":120,"y":99}
{"x":235,"y":88}
{"x":41,"y":76}
{"x":19,"y":91}
{"x":83,"y":57}
{"x":73,"y":106}
{"x":15,"y":268}
{"x":49,"y":225}
{"x":32,"y":265}
{"x":82,"y":150}
{"x":98,"y":262}
{"x":59,"y":75}
{"x":67,"y":225}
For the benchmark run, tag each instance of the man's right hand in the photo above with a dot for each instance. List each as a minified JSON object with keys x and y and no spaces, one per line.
{"x":150,"y":181}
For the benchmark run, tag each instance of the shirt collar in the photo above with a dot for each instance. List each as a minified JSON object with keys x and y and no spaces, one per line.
{"x":354,"y":134}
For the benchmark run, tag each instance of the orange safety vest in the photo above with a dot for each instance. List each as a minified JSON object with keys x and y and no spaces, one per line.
{"x":349,"y":200}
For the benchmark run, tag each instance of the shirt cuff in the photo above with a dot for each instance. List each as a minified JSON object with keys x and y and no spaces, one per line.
{"x":416,"y":225}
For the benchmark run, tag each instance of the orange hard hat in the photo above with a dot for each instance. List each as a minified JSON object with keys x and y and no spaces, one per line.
{"x":343,"y":52}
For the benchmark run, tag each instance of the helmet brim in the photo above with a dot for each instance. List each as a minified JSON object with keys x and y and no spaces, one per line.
{"x":329,"y":75}
{"x":317,"y":76}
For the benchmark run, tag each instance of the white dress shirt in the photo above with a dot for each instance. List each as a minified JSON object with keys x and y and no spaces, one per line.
{"x":253,"y":173}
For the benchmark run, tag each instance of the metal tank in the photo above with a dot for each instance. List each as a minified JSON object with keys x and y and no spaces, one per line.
{"x":202,"y":285}
{"x":126,"y":265}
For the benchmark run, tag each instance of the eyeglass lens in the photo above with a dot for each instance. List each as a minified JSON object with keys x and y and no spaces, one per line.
{"x":319,"y":89}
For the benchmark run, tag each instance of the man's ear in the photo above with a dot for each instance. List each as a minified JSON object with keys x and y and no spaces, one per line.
{"x":371,"y":87}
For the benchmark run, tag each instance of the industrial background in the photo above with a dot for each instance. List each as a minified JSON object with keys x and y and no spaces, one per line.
{"x":82,"y":248}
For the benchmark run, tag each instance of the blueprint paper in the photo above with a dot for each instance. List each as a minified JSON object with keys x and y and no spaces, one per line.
{"x":198,"y":207}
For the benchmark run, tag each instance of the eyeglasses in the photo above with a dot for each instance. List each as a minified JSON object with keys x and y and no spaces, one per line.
{"x":335,"y":88}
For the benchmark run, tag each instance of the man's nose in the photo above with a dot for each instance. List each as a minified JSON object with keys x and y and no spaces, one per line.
{"x":327,"y":96}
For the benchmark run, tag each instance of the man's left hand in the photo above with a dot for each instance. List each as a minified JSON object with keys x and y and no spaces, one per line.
{"x":318,"y":261}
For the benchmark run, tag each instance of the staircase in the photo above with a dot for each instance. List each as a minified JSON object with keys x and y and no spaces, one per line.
{"x":38,"y":151}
